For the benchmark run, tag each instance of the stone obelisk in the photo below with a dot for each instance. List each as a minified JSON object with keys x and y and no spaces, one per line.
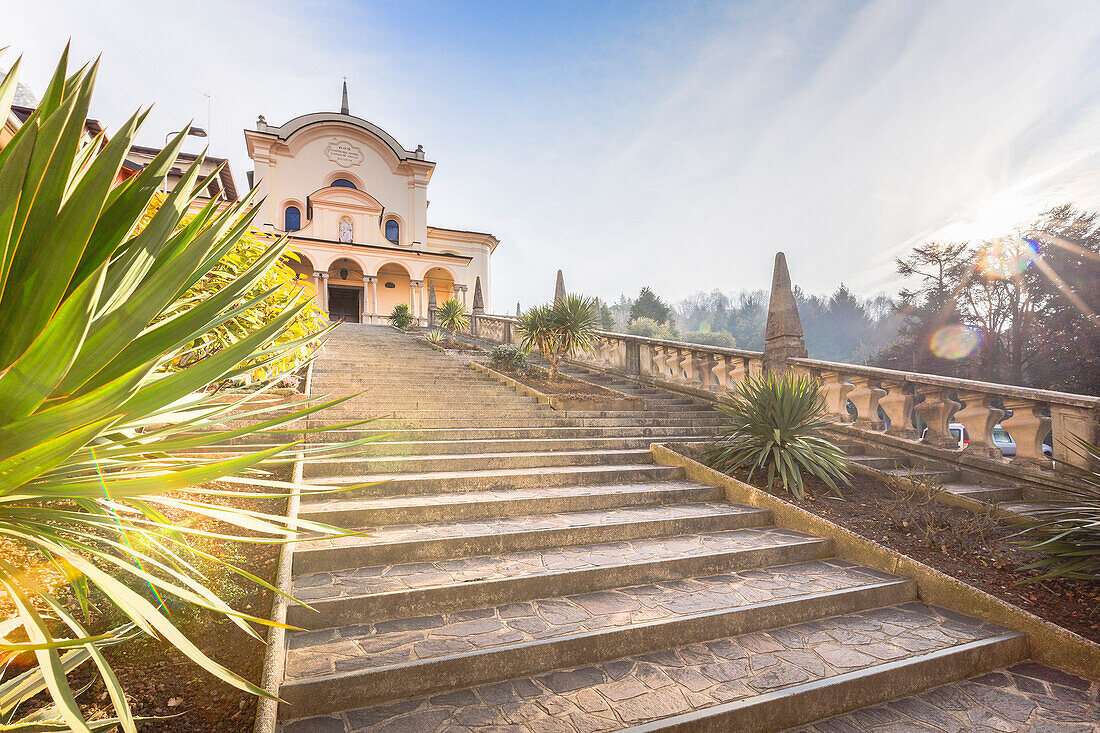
{"x":559,"y":289}
{"x":783,"y":338}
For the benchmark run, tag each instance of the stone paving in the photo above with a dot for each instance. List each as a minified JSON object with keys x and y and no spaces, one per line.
{"x":1025,"y":698}
{"x":642,"y":688}
{"x":489,"y":497}
{"x":411,"y":639}
{"x":406,"y":576}
{"x":529,"y":523}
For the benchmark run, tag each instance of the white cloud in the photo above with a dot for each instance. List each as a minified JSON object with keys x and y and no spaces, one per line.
{"x":680,"y":150}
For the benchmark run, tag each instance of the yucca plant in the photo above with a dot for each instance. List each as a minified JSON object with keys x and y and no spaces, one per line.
{"x":566,"y":328}
{"x":401,"y":316}
{"x":452,"y":316}
{"x":99,"y":400}
{"x":1067,"y":527}
{"x":773,"y":422}
{"x":435,"y":336}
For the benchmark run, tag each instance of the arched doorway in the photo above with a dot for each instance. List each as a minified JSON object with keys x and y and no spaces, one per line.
{"x":394,"y":286}
{"x":345,"y":291}
{"x":443,"y":282}
{"x":303,"y":270}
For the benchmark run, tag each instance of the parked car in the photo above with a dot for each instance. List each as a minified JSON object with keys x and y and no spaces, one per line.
{"x":1000,"y":436}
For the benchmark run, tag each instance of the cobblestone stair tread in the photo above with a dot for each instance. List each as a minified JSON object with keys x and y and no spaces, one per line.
{"x":558,"y":580}
{"x":684,"y":679}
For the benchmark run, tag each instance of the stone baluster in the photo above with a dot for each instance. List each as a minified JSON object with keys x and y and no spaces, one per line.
{"x":1071,"y":424}
{"x":659,"y":362}
{"x":836,"y":388}
{"x":687,"y":366}
{"x":756,"y":367}
{"x":1028,"y":427}
{"x":937,"y":410}
{"x":739,"y":371}
{"x":978,"y":417}
{"x":719,"y":372}
{"x":898,"y":406}
{"x":866,"y":399}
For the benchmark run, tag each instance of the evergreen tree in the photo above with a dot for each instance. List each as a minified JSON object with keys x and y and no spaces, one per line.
{"x":649,"y":305}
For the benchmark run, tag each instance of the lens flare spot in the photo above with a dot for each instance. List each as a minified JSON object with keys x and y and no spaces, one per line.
{"x":955,"y":342}
{"x":1007,"y":257}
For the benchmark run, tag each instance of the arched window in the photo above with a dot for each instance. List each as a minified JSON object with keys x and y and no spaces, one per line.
{"x":342,"y":183}
{"x":292,"y":219}
{"x":393,"y":231}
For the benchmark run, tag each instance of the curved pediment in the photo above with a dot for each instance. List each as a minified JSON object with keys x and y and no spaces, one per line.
{"x":345,"y":198}
{"x":360,"y":126}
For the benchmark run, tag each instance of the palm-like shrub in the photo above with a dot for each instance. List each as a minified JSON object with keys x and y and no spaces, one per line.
{"x":1068,"y":531}
{"x":452,"y":316}
{"x":566,"y":328}
{"x":99,"y":400}
{"x":435,"y":336}
{"x":401,"y":316}
{"x":773,"y":422}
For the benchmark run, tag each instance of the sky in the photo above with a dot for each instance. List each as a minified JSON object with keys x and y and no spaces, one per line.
{"x":677,"y":145}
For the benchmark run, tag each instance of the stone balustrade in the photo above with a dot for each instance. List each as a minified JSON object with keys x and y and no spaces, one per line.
{"x":884,"y":400}
{"x":1028,"y":415}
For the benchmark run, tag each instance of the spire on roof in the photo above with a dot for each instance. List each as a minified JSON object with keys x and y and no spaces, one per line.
{"x":344,"y":99}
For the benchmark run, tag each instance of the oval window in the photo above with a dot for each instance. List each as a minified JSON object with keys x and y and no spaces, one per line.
{"x":390,"y":285}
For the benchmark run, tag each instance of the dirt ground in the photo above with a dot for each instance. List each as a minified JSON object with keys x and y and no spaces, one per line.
{"x":160,"y":681}
{"x":539,"y":379}
{"x":975,"y":549}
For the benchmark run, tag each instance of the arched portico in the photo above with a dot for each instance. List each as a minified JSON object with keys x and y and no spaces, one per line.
{"x":444,"y":282}
{"x":345,"y":290}
{"x":394,"y":286}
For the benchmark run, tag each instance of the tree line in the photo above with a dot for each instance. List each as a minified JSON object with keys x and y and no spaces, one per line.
{"x":1019,"y":309}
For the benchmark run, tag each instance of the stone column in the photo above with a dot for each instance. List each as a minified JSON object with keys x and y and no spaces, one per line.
{"x":322,"y":290}
{"x":462,"y":288}
{"x":783,"y":335}
{"x":937,"y":409}
{"x":978,"y":417}
{"x":417,"y":304}
{"x":372,"y":292}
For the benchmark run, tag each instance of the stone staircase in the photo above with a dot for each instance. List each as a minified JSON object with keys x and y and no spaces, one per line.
{"x":524,"y":569}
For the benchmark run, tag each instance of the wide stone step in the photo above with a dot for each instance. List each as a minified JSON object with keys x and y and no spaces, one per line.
{"x":410,"y":589}
{"x":533,"y":419}
{"x":409,"y":543}
{"x":433,"y":508}
{"x":703,"y":679}
{"x":1025,"y":696}
{"x":511,"y":432}
{"x":519,"y":445}
{"x":989,"y":494}
{"x":435,"y":482}
{"x":474,"y":462}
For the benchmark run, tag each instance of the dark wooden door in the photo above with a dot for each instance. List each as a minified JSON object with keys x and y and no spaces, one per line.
{"x":343,"y":304}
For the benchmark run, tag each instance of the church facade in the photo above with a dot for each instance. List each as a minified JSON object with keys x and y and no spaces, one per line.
{"x":354,"y":204}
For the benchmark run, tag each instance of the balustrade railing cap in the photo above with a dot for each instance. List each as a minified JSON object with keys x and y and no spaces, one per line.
{"x":743,"y":353}
{"x":972,"y":385}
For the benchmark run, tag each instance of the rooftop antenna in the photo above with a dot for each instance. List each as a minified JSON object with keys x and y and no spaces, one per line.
{"x":344,"y":100}
{"x":207,"y":107}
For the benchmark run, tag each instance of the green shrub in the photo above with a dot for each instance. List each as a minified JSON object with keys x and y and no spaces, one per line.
{"x":566,"y":328}
{"x":650,"y":328}
{"x":508,"y":357}
{"x":1069,"y":530}
{"x":452,"y":316}
{"x":401,"y":316}
{"x":773,"y":422}
{"x":711,"y":338}
{"x":100,"y":404}
{"x":435,"y":336}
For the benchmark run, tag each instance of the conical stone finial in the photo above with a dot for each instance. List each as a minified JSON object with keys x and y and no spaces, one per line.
{"x":344,"y":110}
{"x":431,"y":294}
{"x":479,"y":300}
{"x":517,"y":308}
{"x":559,"y":288}
{"x":783,"y":334}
